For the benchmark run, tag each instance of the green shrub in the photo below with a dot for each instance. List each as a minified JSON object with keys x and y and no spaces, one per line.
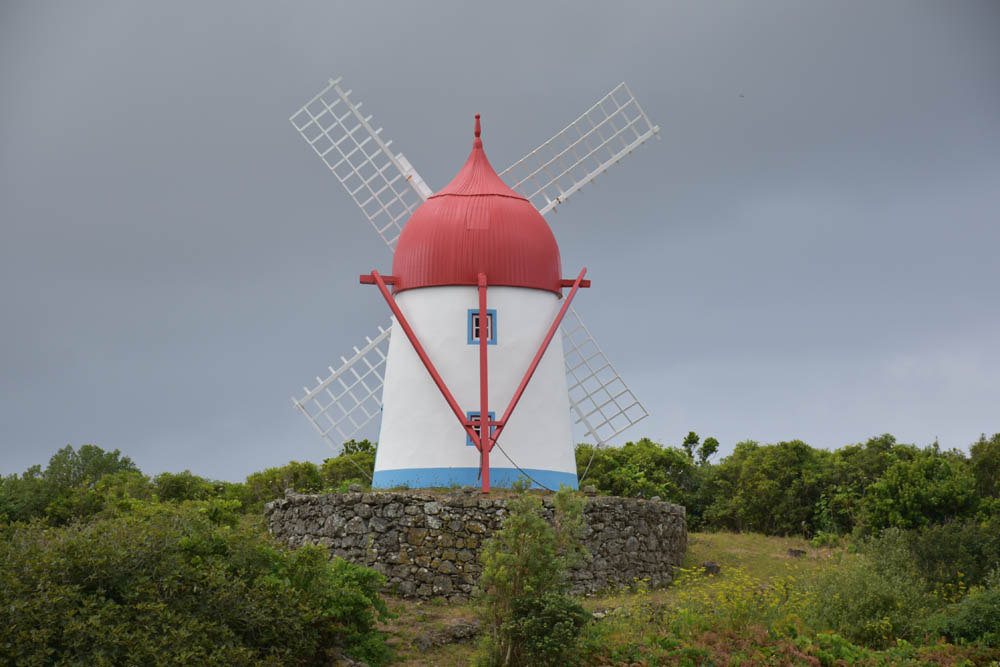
{"x":643,"y":468}
{"x":354,"y":465}
{"x":63,"y":491}
{"x":522,"y":588}
{"x":546,"y":629}
{"x":975,"y":619}
{"x":985,"y":461}
{"x":265,"y":486}
{"x":772,"y":489}
{"x":167,"y":584}
{"x":875,"y":598}
{"x":933,"y":487}
{"x":956,"y":553}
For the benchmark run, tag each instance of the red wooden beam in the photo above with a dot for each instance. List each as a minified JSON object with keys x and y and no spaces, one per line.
{"x":538,"y":357}
{"x":368,"y":279}
{"x":484,"y":397}
{"x":569,"y":282}
{"x":428,"y":364}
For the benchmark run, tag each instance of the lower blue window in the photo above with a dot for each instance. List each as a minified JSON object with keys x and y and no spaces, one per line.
{"x":475,"y":415}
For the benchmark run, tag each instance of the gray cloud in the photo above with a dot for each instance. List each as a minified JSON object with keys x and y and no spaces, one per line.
{"x":808,"y":252}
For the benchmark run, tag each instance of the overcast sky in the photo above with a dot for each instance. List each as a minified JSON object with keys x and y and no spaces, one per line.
{"x":809,"y":252}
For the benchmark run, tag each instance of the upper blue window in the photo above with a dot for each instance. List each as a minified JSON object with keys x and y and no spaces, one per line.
{"x":475,"y":326}
{"x":491,"y":416}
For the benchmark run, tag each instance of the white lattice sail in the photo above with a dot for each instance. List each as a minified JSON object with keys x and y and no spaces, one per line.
{"x":598,"y":396}
{"x":343,"y":403}
{"x":584,"y":149}
{"x":384,"y":185}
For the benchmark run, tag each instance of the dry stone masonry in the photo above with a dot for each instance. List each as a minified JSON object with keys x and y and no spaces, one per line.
{"x":427,"y":544}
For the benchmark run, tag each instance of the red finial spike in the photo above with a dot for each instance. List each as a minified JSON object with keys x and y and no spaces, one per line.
{"x":478,"y":129}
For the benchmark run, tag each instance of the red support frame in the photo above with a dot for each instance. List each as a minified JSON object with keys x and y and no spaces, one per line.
{"x":484,"y":399}
{"x":428,"y":364}
{"x":485,"y":439}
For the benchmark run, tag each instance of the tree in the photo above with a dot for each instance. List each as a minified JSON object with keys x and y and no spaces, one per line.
{"x":707,"y":450}
{"x":690,"y":442}
{"x":522,"y":599}
{"x":355,"y":464}
{"x":69,"y":468}
{"x":985,"y":460}
{"x":771,"y":489}
{"x":933,"y":487}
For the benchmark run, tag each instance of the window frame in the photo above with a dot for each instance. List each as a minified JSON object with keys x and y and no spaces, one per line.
{"x":491,"y":316}
{"x":474,"y":414}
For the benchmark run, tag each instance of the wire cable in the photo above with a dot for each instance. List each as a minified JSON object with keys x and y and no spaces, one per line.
{"x":497,"y":445}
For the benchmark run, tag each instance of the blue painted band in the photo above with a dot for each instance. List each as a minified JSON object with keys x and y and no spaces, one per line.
{"x":419,"y":478}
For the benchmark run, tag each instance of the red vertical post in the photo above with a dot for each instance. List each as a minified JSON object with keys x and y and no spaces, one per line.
{"x":485,"y":440}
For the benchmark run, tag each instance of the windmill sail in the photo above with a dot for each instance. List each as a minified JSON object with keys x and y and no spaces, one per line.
{"x":341,"y":404}
{"x":581,"y":151}
{"x":602,"y":401}
{"x":384,"y":185}
{"x":547,"y":176}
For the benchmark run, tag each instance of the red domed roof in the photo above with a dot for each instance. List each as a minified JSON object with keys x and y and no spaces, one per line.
{"x":476,"y":224}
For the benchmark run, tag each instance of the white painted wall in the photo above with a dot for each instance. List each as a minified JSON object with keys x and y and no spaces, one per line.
{"x":419,"y":430}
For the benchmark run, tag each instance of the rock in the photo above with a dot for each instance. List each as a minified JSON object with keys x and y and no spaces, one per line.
{"x":590,"y":490}
{"x":711,"y":568}
{"x":355,"y":488}
{"x":796,"y":553}
{"x":462,"y":630}
{"x":433,"y":507}
{"x":355,"y":526}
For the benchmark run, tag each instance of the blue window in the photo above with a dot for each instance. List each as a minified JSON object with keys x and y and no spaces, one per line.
{"x":475,"y":326}
{"x":475,"y":415}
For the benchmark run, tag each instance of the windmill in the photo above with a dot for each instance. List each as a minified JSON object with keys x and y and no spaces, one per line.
{"x":388,"y":190}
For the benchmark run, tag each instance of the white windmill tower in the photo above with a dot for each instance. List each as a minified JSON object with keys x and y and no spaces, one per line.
{"x":477,"y":235}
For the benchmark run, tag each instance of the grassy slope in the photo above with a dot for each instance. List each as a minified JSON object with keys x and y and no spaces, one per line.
{"x":759,"y":557}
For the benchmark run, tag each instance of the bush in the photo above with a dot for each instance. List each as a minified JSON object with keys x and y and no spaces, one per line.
{"x":265,"y":486}
{"x":167,"y":584}
{"x":546,"y":629}
{"x":644,"y":468}
{"x":975,"y":619}
{"x":957,"y":553}
{"x":354,"y":465}
{"x":62,"y":492}
{"x":933,"y":487}
{"x":875,"y":599}
{"x":772,"y":489}
{"x":985,"y":461}
{"x":522,"y":588}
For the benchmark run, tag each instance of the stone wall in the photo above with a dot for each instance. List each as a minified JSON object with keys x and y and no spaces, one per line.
{"x":427,"y":544}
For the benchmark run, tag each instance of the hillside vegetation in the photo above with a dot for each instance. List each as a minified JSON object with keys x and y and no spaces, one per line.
{"x":901,"y":565}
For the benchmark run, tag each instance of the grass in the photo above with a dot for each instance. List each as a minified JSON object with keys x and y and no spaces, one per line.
{"x":748,"y":614}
